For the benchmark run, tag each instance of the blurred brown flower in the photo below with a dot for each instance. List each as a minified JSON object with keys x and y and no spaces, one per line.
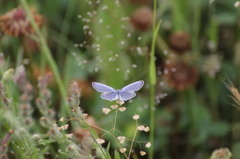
{"x":142,"y":18}
{"x":15,"y":22}
{"x":180,"y":75}
{"x":81,"y":133}
{"x":180,"y":42}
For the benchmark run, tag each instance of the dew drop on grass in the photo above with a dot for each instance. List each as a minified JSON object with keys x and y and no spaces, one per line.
{"x":127,"y":71}
{"x":98,"y":2}
{"x":96,"y":69}
{"x":129,"y":35}
{"x":89,"y":14}
{"x":75,"y":45}
{"x":167,"y":61}
{"x":90,"y":33}
{"x":139,"y":38}
{"x":90,"y":2}
{"x":79,"y":16}
{"x":161,"y":83}
{"x":81,"y":45}
{"x":165,"y":71}
{"x":104,"y":7}
{"x":86,"y":27}
{"x":139,"y":50}
{"x":173,"y":69}
{"x":122,"y":42}
{"x":100,"y":21}
{"x":116,"y":55}
{"x":165,"y":52}
{"x":145,"y":106}
{"x":134,"y":66}
{"x":159,"y":72}
{"x":117,"y":69}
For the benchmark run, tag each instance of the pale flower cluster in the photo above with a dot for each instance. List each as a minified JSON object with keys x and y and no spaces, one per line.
{"x":143,"y":128}
{"x":121,"y":139}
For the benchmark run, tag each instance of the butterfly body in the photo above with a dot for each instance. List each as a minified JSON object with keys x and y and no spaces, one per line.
{"x":124,"y":94}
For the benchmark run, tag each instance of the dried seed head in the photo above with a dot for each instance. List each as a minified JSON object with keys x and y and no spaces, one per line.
{"x":142,"y":18}
{"x":16,"y":23}
{"x":181,"y":75}
{"x":180,"y":42}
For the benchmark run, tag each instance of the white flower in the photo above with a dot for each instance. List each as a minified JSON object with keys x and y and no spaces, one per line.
{"x":142,"y":153}
{"x":120,"y":102}
{"x":106,"y":110}
{"x":122,"y":109}
{"x":148,"y":145}
{"x":122,"y":150}
{"x":114,"y":106}
{"x":146,"y":129}
{"x":100,"y":141}
{"x":136,"y":117}
{"x":141,"y":128}
{"x":121,"y":139}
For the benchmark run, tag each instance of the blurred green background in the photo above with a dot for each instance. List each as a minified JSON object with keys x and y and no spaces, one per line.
{"x":109,"y":41}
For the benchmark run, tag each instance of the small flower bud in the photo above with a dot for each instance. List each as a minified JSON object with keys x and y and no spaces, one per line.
{"x":222,"y":153}
{"x":7,"y":76}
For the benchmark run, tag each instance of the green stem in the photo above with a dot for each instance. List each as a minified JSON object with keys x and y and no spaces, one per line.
{"x":47,"y":54}
{"x":152,"y":78}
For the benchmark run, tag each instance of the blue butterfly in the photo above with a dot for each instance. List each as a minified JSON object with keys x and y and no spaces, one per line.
{"x":124,"y":94}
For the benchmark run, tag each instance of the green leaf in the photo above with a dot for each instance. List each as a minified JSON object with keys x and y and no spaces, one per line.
{"x":116,"y":155}
{"x":219,"y":129}
{"x":45,"y":142}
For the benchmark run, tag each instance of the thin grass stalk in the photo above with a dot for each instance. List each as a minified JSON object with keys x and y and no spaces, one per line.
{"x":47,"y":54}
{"x":65,"y":28}
{"x":152,"y":77}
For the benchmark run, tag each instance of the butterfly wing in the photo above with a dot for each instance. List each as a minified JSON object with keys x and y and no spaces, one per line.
{"x":126,"y":95}
{"x":110,"y":95}
{"x":135,"y":86}
{"x":102,"y":87}
{"x":128,"y":92}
